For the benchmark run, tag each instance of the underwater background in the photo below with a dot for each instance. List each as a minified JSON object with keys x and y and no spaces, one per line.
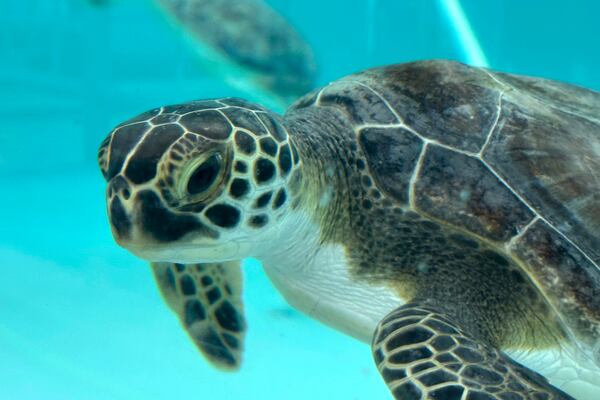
{"x":80,"y":318}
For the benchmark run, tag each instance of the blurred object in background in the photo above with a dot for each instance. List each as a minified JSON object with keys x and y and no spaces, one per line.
{"x":248,"y":44}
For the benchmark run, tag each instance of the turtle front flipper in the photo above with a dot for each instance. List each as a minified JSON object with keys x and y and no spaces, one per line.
{"x":422,"y":355}
{"x":207,"y":298}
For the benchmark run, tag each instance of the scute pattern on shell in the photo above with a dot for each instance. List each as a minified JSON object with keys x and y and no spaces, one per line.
{"x":514,"y":118}
{"x":500,"y":156}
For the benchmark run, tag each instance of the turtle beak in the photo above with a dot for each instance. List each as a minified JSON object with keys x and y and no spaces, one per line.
{"x":119,"y":220}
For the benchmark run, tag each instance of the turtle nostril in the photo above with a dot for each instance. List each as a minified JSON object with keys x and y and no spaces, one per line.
{"x":119,"y":185}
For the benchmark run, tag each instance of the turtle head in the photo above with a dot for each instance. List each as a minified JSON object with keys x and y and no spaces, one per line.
{"x":197,"y":182}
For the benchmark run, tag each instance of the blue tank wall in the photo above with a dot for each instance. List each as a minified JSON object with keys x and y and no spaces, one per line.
{"x":81,"y":318}
{"x":71,"y":71}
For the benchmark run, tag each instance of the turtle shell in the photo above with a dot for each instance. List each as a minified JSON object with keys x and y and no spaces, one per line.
{"x":513,"y":160}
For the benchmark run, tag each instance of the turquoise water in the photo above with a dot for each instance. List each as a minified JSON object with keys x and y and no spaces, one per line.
{"x":81,"y":318}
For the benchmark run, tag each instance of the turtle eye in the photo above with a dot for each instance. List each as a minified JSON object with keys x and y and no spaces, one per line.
{"x":204,"y":175}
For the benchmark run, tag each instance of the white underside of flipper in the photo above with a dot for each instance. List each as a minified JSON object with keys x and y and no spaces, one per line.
{"x":324,"y":290}
{"x":566,"y":369}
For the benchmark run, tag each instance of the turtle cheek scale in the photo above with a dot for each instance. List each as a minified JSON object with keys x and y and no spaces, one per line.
{"x":144,"y":225}
{"x":163,"y":225}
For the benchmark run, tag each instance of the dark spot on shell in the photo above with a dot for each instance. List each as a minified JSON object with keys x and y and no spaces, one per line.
{"x":223,"y":215}
{"x":279,"y":199}
{"x":245,"y":143}
{"x":193,"y":312}
{"x":241,"y":167}
{"x":239,"y":188}
{"x":264,"y":170}
{"x":228,"y":317}
{"x":269,"y":146}
{"x":263,"y":200}
{"x":179,"y":267}
{"x":188,"y":287}
{"x":213,"y":295}
{"x":206,"y":280}
{"x":258,"y":221}
{"x":285,"y":160}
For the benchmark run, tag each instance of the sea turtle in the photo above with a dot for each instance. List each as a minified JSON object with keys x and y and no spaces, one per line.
{"x":249,"y":44}
{"x":449,"y":215}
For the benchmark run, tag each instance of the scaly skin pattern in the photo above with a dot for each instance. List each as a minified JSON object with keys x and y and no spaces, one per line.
{"x":419,"y":179}
{"x":437,"y":360}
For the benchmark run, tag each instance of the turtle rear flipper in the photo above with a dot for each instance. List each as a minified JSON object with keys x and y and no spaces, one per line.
{"x":422,"y":355}
{"x":207,"y":298}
